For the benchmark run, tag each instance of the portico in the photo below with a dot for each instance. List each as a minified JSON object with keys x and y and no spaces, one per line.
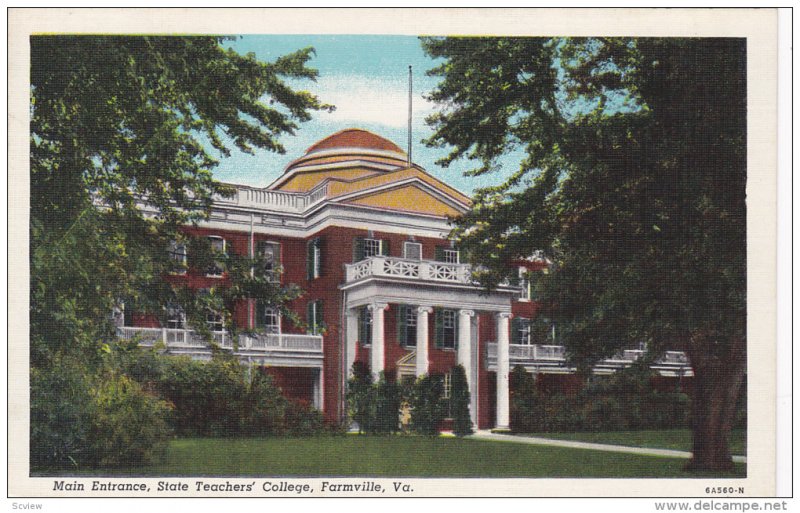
{"x":444,"y":306}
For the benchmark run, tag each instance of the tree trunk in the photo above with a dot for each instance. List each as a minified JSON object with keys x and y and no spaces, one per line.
{"x":718,"y":379}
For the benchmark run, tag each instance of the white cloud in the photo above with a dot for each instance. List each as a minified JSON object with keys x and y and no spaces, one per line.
{"x":360,"y":99}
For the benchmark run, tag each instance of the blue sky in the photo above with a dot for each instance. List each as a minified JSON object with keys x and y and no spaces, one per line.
{"x":366,"y":78}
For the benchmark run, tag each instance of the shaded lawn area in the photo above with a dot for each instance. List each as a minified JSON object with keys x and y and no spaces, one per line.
{"x":397,"y":456}
{"x":677,"y":439}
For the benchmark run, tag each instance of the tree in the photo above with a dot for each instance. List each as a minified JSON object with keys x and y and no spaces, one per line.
{"x":459,"y":402}
{"x":631,"y":182}
{"x":116,"y":121}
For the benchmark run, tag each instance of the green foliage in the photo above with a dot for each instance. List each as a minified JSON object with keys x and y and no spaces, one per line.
{"x":625,"y":400}
{"x":115,"y":119}
{"x":216,"y":398}
{"x":631,"y":183}
{"x":459,"y":402}
{"x":61,"y":414}
{"x":386,"y":400}
{"x":375,"y":407}
{"x":130,"y":427}
{"x":427,"y":406}
{"x":359,"y":387}
{"x":80,"y":421}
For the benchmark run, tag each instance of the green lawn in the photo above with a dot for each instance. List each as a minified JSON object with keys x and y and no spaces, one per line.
{"x":678,"y":439}
{"x":400,"y":456}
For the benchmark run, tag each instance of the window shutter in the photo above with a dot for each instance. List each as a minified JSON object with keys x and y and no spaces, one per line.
{"x":310,"y":316}
{"x":439,"y":256}
{"x":364,"y":335}
{"x":439,"y":324}
{"x":385,"y":247}
{"x":515,"y":325}
{"x":319,"y":242}
{"x":261,"y":320}
{"x":402,"y":337}
{"x":318,"y":316}
{"x":310,"y":260}
{"x":358,"y":249}
{"x":456,"y":322}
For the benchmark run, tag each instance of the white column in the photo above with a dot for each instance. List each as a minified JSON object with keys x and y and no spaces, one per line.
{"x":377,"y":357}
{"x":422,"y":339}
{"x":502,"y":418}
{"x":465,"y":344}
{"x":352,"y":338}
{"x":318,"y":402}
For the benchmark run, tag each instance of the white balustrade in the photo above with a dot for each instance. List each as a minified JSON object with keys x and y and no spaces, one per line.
{"x":405,"y":268}
{"x":555,"y":353}
{"x":190,"y":339}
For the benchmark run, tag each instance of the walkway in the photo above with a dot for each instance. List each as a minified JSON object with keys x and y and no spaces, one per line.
{"x":647,"y":451}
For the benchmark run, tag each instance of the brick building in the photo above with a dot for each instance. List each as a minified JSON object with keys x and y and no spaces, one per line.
{"x":364,"y":233}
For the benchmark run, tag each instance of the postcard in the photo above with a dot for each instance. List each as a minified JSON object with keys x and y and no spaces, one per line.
{"x":393,"y":253}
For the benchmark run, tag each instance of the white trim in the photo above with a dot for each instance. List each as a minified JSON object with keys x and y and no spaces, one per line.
{"x":412,"y":180}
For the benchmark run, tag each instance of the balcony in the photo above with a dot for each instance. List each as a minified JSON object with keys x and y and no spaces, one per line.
{"x":422,"y":270}
{"x":281,"y":201}
{"x":552,"y":358}
{"x":268,"y":348}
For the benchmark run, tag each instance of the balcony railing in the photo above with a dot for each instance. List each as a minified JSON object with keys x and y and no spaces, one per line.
{"x":189,"y":339}
{"x":423,"y":270}
{"x":519,"y":353}
{"x":296,"y":202}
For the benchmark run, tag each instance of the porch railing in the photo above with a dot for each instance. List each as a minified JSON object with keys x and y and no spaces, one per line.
{"x":545,"y":353}
{"x":190,"y":339}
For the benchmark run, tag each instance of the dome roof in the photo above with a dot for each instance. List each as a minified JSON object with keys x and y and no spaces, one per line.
{"x":354,"y":138}
{"x":352,"y":148}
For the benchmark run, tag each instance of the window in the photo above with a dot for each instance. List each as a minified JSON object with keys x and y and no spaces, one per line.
{"x":412,"y":250}
{"x":267,"y":318}
{"x":407,"y":325}
{"x":446,"y":329}
{"x":214,"y":321}
{"x":543,"y":331}
{"x":177,"y":253}
{"x":314,"y":317}
{"x":447,"y":255}
{"x":369,"y":247}
{"x":314,"y":258}
{"x":521,"y":331}
{"x":269,"y":254}
{"x":217,"y":248}
{"x":525,"y":285}
{"x":176,"y":319}
{"x":447,"y":388}
{"x":365,"y":326}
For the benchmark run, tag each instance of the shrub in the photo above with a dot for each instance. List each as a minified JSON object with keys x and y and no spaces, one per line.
{"x":80,"y":421}
{"x":427,"y":406}
{"x":61,"y":409}
{"x":459,"y":402}
{"x":302,"y":419}
{"x":358,"y":396}
{"x":386,"y":399}
{"x":622,"y":401}
{"x":129,"y":427}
